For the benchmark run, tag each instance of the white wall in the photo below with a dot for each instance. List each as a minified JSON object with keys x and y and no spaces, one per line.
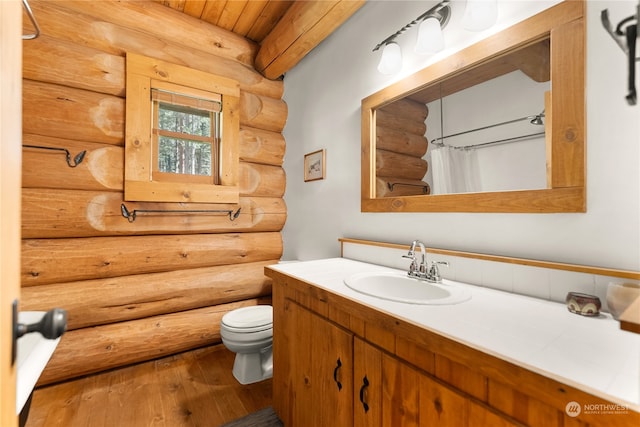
{"x":323,"y":93}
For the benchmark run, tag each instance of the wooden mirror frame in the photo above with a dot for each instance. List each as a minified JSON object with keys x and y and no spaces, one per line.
{"x":564,"y":25}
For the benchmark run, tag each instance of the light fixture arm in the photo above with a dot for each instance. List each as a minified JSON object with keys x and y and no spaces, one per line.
{"x":441,"y":11}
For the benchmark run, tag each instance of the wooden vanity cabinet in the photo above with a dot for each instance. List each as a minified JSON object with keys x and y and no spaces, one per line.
{"x":396,"y":374}
{"x":333,"y":378}
{"x":317,"y":380}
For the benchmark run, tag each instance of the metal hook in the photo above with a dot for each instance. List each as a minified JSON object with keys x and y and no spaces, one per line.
{"x":33,"y":22}
{"x":617,"y":33}
{"x":131,"y":215}
{"x":626,"y":40}
{"x":76,"y":160}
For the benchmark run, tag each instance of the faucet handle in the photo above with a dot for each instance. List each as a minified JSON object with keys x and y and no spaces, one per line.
{"x":434,"y":271}
{"x":413,"y":267}
{"x":412,"y":250}
{"x":414,"y":264}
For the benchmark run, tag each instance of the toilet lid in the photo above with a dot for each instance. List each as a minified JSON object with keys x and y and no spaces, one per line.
{"x":249,"y":317}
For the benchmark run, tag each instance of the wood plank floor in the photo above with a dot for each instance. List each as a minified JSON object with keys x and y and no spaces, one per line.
{"x":195,"y":388}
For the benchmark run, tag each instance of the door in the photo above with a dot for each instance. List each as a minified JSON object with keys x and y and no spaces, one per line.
{"x":320,"y":371}
{"x":10,"y":187}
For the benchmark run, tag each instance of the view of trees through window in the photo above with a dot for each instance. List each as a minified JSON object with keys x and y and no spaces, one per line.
{"x":186,"y":141}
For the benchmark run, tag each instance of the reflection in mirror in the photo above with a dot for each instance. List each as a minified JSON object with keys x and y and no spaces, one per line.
{"x":492,"y":137}
{"x":485,"y":137}
{"x":496,"y":127}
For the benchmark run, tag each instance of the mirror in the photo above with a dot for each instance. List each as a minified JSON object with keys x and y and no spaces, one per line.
{"x":526,"y":155}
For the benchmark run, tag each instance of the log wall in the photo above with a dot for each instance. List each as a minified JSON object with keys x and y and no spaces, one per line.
{"x":400,"y":146}
{"x":138,"y":290}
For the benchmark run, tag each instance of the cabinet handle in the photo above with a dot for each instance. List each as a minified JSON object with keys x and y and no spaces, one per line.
{"x":363,"y":389}
{"x":335,"y":374}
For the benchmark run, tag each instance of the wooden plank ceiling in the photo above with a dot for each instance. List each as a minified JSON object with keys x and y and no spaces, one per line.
{"x":285,"y":30}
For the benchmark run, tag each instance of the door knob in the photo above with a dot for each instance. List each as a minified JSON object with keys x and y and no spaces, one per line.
{"x":51,"y":326}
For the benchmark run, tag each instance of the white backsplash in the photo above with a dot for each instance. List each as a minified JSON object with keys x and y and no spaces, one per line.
{"x":544,"y":283}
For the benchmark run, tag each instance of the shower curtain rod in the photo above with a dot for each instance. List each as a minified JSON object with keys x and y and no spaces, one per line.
{"x":485,"y":144}
{"x":534,"y":120}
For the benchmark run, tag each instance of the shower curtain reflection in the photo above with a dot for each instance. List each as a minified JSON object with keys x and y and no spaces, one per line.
{"x":455,"y":170}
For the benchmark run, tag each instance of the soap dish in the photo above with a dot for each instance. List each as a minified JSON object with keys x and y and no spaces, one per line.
{"x":583,"y":304}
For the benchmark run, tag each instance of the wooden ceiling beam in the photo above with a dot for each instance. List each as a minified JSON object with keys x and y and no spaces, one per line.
{"x":303,"y":27}
{"x":268,"y":18}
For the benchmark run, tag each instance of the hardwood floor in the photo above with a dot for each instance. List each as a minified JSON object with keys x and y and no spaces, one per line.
{"x":195,"y":388}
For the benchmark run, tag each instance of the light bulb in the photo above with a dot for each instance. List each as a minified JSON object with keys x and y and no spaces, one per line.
{"x":391,"y":59}
{"x":430,"y":38}
{"x":480,"y":14}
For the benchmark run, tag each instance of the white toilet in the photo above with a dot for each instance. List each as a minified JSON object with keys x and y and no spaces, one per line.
{"x":248,"y":332}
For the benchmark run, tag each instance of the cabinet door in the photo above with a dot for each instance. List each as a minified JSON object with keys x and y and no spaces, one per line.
{"x":320,"y":371}
{"x":386,"y":390}
{"x":367,"y":385}
{"x":441,"y":406}
{"x":399,"y":395}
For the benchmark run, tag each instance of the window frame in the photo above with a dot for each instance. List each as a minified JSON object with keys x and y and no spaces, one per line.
{"x":142,"y":183}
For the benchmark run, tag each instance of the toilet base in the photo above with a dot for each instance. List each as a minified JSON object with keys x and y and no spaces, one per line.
{"x":250,"y":368}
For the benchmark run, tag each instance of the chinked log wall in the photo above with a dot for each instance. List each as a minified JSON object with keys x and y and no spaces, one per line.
{"x":400,"y":145}
{"x":159,"y":285}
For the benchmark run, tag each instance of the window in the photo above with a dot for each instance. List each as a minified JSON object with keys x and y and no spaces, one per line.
{"x":182,"y":131}
{"x":186,"y":136}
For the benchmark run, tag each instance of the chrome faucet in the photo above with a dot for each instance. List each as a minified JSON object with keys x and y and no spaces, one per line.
{"x":420,"y":270}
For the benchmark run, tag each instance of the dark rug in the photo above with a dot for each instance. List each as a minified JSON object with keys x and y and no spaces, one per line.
{"x":263,"y":418}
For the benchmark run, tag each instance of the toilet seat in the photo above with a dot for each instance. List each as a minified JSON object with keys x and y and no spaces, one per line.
{"x":248,"y":332}
{"x":248,"y":320}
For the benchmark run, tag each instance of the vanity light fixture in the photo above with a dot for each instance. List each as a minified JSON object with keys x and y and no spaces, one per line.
{"x":391,"y":59}
{"x":480,"y":14}
{"x":430,"y":38}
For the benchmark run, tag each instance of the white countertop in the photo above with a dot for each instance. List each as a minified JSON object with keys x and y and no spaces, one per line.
{"x":589,"y":353}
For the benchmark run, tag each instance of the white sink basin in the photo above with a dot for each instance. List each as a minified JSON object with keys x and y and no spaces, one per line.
{"x":401,"y":288}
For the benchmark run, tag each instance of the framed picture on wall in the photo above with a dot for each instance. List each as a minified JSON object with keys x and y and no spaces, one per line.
{"x":314,"y":165}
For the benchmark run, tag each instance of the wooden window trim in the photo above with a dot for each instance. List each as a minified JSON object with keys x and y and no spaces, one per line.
{"x":145,"y":73}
